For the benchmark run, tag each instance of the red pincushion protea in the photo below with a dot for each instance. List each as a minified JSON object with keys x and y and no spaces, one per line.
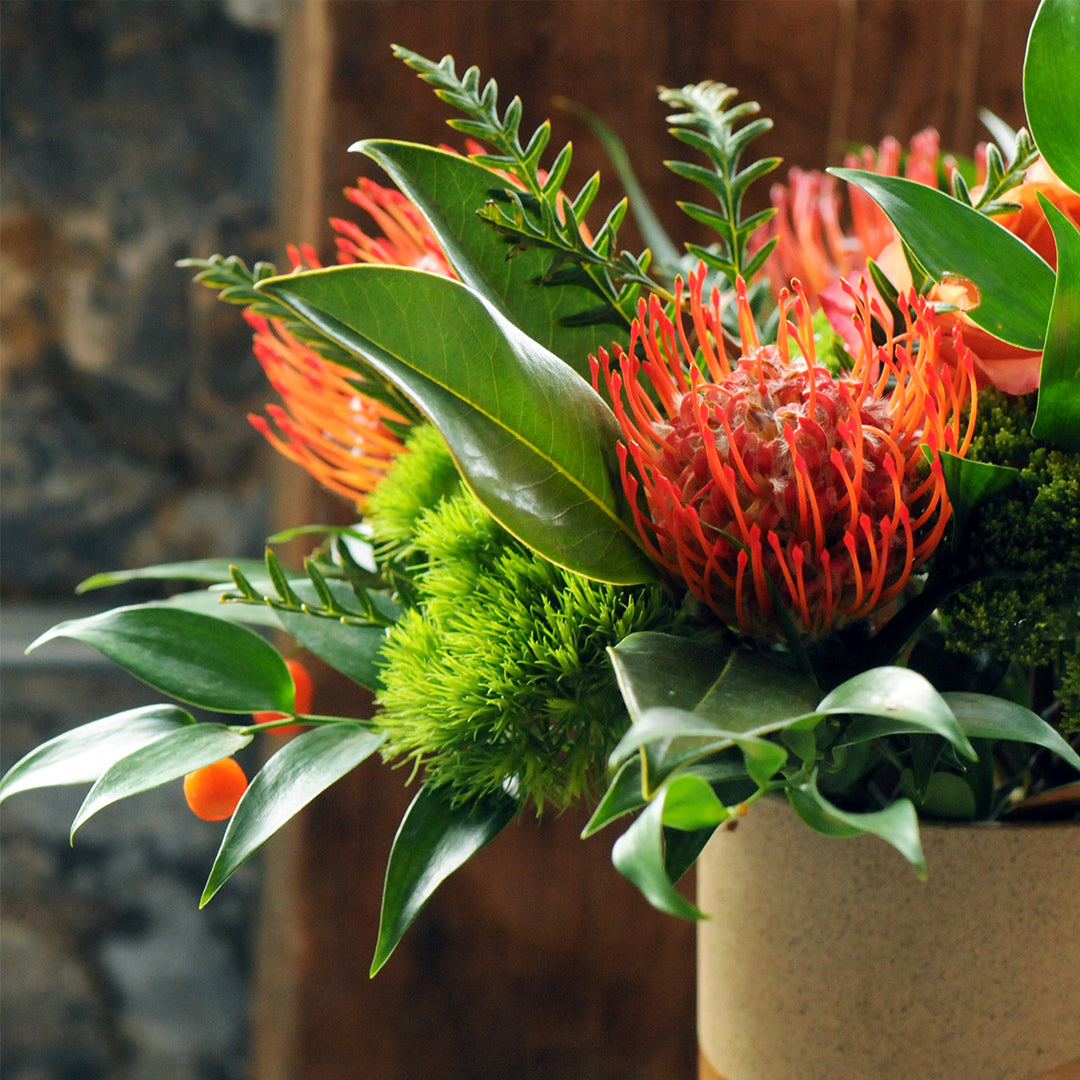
{"x":768,"y":478}
{"x":325,"y":425}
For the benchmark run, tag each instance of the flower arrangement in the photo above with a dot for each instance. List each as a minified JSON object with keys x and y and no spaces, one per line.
{"x":792,"y":512}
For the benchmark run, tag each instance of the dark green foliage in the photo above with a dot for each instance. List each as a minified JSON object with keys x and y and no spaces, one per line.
{"x":500,"y":671}
{"x":1030,"y":534}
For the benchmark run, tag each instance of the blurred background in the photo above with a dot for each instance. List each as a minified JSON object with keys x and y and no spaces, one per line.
{"x":136,"y":132}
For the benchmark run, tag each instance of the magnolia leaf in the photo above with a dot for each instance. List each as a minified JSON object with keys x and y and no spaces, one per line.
{"x":897,"y":824}
{"x":159,"y":762}
{"x":1015,"y":285}
{"x":531,"y":438}
{"x":208,"y":570}
{"x":1052,"y":87}
{"x":83,"y":754}
{"x":448,"y":190}
{"x":436,"y":837}
{"x":639,"y":856}
{"x":303,"y":768}
{"x":890,"y":701}
{"x":982,"y":716}
{"x":1057,"y":414}
{"x":195,"y":658}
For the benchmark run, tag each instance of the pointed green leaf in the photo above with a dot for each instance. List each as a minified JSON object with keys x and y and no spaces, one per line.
{"x":983,"y":716}
{"x":1015,"y":285}
{"x":435,"y":838}
{"x":303,"y":768}
{"x":655,"y":669}
{"x":623,"y":796}
{"x":208,"y":570}
{"x":195,"y":658}
{"x":83,"y":754}
{"x":532,"y":439}
{"x":1057,"y":415}
{"x":893,"y":700}
{"x":639,"y":856}
{"x":1052,"y":87}
{"x":448,"y":190}
{"x":159,"y":762}
{"x":690,"y":803}
{"x":968,"y":482}
{"x":897,"y":824}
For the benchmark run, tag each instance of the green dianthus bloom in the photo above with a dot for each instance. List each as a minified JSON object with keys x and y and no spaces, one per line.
{"x":498,"y":674}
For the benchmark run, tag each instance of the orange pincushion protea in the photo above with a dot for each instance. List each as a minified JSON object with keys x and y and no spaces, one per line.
{"x":770,"y":473}
{"x":326,"y":426}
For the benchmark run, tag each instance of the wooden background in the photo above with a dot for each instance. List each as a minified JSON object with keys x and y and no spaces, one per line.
{"x":538,"y":960}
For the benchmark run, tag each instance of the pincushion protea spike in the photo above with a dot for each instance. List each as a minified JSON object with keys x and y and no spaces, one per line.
{"x":339,"y":435}
{"x":767,"y":478}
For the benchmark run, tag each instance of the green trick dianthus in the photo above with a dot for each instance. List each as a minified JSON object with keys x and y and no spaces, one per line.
{"x":498,"y":672}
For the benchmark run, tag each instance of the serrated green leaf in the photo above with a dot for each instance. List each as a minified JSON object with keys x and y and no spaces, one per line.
{"x":435,"y":838}
{"x":982,"y":716}
{"x":1016,"y":286}
{"x":640,"y":857}
{"x":83,"y":754}
{"x":160,"y":762}
{"x":496,"y":396}
{"x":1057,"y":414}
{"x":1052,"y":87}
{"x":893,"y":700}
{"x":195,"y":658}
{"x":302,"y":769}
{"x":448,"y":190}
{"x":208,"y":570}
{"x":897,"y":824}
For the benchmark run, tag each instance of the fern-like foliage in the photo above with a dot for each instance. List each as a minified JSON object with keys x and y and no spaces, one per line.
{"x":333,"y":590}
{"x":705,"y":122}
{"x":235,"y":283}
{"x":532,"y":210}
{"x":1002,"y":175}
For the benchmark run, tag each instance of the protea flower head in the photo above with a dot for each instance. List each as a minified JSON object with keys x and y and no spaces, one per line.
{"x":766,"y":480}
{"x":325,"y":425}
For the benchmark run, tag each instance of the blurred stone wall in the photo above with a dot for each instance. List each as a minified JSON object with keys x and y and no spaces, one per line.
{"x":133,"y":133}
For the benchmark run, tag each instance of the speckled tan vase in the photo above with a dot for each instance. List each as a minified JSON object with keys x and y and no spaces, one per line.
{"x":830,"y":960}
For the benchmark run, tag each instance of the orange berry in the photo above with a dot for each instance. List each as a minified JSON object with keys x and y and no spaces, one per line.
{"x":213,"y":791}
{"x":303,"y":693}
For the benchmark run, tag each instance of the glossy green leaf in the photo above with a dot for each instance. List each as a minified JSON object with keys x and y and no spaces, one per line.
{"x":639,"y":856}
{"x":897,"y":824}
{"x":969,"y":482}
{"x":303,"y":768}
{"x":448,"y":190}
{"x":83,"y":754}
{"x":623,"y":796}
{"x":195,"y":658}
{"x":208,"y":570}
{"x":892,"y":700}
{"x":1052,"y":87}
{"x":690,"y":803}
{"x":655,"y":669}
{"x":1057,"y":415}
{"x":159,"y":762}
{"x":435,"y":838}
{"x":209,"y":602}
{"x":1015,"y":285}
{"x":983,"y":716}
{"x":531,"y":438}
